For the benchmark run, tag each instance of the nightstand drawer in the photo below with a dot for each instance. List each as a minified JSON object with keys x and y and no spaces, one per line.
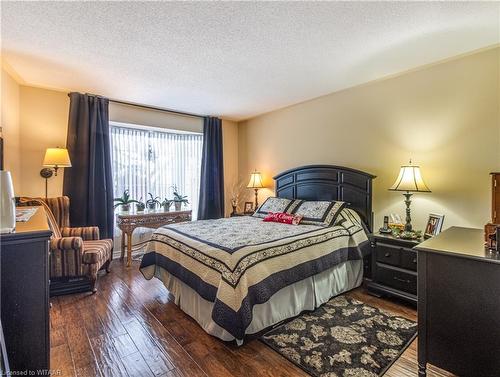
{"x":395,"y":278}
{"x":388,"y":254}
{"x":409,"y":259}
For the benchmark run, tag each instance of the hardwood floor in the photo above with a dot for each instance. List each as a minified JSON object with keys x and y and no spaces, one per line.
{"x":131,"y":328}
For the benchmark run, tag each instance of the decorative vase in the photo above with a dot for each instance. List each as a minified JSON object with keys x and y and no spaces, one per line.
{"x":152,"y":207}
{"x":140,"y":207}
{"x":7,"y":203}
{"x":178,"y":206}
{"x":125,"y":207}
{"x":166,"y":208}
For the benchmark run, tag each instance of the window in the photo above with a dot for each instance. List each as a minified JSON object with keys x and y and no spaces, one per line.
{"x":146,"y":159}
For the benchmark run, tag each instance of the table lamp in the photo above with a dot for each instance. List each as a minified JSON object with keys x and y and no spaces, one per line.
{"x":54,"y":159}
{"x":409,"y":180}
{"x":255,"y":183}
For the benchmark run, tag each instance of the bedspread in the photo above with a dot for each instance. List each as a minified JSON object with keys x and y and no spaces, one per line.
{"x":242,"y":261}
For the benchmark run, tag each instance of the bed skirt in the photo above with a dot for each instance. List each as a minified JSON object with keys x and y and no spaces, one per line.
{"x":288,"y":302}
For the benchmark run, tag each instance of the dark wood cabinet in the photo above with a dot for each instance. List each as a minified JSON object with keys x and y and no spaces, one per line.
{"x":459,"y":304}
{"x":393,"y":267}
{"x":24,"y":300}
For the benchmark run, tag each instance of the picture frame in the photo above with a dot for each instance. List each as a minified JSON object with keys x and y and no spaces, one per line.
{"x":434,"y":225}
{"x":248,"y":208}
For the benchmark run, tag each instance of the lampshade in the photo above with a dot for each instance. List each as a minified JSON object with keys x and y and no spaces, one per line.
{"x":57,"y":157}
{"x":410,"y":179}
{"x":255,"y":180}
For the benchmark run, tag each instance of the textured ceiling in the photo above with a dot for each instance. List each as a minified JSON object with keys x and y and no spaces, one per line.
{"x":233,"y":59}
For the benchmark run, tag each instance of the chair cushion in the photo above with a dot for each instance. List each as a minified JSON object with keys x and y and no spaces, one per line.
{"x":98,"y":251}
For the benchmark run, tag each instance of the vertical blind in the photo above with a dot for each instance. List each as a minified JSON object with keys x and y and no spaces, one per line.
{"x":147,"y":160}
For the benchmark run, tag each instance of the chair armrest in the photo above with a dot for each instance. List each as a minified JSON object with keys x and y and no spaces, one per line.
{"x":87,"y":233}
{"x":67,"y":244}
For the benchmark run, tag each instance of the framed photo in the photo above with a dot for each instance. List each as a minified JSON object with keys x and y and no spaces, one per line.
{"x":434,"y":225}
{"x":248,"y":207}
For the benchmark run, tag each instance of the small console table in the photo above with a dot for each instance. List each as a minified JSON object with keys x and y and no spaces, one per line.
{"x":128,"y":221}
{"x":459,"y":304}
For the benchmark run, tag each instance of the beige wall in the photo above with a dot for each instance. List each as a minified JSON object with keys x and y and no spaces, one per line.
{"x":11,"y":129}
{"x":445,"y":117}
{"x":44,"y":122}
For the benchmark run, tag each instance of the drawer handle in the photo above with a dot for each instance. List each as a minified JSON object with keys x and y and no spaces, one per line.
{"x":401,"y":280}
{"x":387,"y":255}
{"x":415,"y":260}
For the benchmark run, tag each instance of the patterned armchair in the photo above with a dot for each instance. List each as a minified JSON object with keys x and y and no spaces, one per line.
{"x":74,"y":252}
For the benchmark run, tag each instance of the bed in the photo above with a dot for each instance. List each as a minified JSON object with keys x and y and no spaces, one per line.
{"x":240,"y":275}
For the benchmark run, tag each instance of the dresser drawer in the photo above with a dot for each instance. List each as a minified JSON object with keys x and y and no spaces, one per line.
{"x":388,"y":254}
{"x":409,"y":259}
{"x":392,"y":277}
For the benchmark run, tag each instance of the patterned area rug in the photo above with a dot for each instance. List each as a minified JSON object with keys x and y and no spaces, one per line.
{"x":343,"y":338}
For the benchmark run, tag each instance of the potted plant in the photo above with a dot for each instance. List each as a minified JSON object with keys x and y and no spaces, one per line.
{"x":179,"y":199}
{"x":124,"y":201}
{"x":166,"y":204}
{"x":140,"y":206}
{"x":152,"y":202}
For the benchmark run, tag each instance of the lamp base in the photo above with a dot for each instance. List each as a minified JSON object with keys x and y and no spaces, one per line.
{"x":256,"y":199}
{"x":408,"y":226}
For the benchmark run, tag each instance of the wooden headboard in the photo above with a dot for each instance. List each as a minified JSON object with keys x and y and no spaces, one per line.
{"x":327,"y":182}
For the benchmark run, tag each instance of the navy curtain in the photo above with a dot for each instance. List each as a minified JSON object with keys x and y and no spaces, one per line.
{"x":88,"y":183}
{"x":211,"y":205}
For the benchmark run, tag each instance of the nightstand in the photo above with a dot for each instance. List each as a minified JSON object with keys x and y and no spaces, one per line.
{"x":394,"y":267}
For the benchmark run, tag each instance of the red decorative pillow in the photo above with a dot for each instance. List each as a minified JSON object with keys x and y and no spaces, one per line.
{"x":285,"y":218}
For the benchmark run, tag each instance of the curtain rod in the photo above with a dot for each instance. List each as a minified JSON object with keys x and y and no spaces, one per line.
{"x":150,"y":107}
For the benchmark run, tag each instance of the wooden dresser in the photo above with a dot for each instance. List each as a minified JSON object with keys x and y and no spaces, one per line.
{"x":24,"y":302}
{"x":459,"y":304}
